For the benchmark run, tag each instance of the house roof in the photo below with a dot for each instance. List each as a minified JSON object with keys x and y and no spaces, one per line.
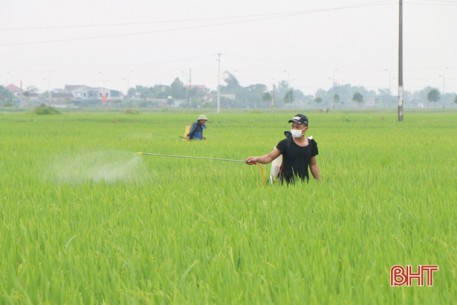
{"x":76,"y":87}
{"x":13,"y":88}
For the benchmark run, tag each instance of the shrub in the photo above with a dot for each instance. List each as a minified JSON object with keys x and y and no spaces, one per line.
{"x":44,"y":109}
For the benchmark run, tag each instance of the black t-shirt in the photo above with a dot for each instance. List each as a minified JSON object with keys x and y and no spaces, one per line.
{"x":296,"y":159}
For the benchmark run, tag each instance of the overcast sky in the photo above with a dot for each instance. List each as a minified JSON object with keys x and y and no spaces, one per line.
{"x":310,"y":43}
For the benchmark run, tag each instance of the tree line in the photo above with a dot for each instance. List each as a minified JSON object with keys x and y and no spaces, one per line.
{"x":232,"y":94}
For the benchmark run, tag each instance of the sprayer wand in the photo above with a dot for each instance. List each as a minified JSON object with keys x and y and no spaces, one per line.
{"x":202,"y":158}
{"x":187,"y":157}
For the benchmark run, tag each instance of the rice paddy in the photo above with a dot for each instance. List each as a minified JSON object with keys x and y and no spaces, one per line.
{"x":84,"y":219}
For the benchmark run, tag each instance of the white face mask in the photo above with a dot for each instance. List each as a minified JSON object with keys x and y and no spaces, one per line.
{"x":296,"y":133}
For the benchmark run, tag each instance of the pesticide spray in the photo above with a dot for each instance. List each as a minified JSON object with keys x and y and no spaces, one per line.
{"x":262,"y":172}
{"x":109,"y":166}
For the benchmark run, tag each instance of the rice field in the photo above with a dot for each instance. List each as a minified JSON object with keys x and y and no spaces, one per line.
{"x":84,"y":219}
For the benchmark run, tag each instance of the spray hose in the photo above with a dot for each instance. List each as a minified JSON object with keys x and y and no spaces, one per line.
{"x":262,"y":172}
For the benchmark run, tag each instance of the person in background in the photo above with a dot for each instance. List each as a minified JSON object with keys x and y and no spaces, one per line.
{"x":196,"y":130}
{"x":299,"y":153}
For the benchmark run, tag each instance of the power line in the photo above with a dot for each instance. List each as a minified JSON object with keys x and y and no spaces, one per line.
{"x":176,"y":60}
{"x":247,"y":19}
{"x":174,"y":21}
{"x":171,"y":21}
{"x":431,"y":2}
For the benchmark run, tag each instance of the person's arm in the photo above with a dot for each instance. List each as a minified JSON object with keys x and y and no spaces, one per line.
{"x":265,"y":159}
{"x":314,"y":168}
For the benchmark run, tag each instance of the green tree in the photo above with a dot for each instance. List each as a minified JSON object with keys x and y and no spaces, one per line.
{"x":142,"y":92}
{"x":232,"y":82}
{"x":159,"y":91}
{"x":358,"y":98}
{"x":6,"y":97}
{"x":253,"y":93}
{"x":178,"y":89}
{"x":336,"y":99}
{"x":267,"y":98}
{"x":131,"y":92}
{"x":289,"y":96}
{"x":385,"y":97}
{"x":433,"y":95}
{"x":282,"y":91}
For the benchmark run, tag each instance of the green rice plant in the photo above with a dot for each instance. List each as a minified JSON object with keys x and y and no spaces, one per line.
{"x":86,"y":220}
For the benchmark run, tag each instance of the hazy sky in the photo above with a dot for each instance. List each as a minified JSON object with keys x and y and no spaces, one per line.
{"x":310,"y":43}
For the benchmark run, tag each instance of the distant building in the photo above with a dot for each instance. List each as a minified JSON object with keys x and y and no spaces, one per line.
{"x":83,"y":92}
{"x":15,"y":90}
{"x":228,"y":96}
{"x":61,"y":98}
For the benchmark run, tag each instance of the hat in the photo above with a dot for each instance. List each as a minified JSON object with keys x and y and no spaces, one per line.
{"x":202,"y":117}
{"x":299,"y":119}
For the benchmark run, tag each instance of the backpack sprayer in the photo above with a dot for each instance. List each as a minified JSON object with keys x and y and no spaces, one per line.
{"x":262,"y":172}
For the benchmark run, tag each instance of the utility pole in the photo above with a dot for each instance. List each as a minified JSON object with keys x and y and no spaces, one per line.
{"x":390,"y":80}
{"x":273,"y":98}
{"x":400,"y":62}
{"x":190,"y":87}
{"x":49,"y":88}
{"x":219,"y":83}
{"x":443,"y":76}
